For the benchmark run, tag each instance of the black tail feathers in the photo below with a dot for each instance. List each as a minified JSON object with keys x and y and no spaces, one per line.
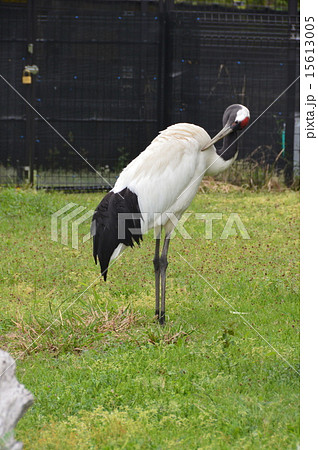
{"x":117,"y":220}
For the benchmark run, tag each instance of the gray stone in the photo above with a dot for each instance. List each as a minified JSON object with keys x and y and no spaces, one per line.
{"x":15,"y":399}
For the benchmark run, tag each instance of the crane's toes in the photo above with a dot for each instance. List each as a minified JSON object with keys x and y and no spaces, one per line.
{"x":162,"y":318}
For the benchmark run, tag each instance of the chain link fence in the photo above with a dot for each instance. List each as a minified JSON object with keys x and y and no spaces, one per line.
{"x":112,"y":74}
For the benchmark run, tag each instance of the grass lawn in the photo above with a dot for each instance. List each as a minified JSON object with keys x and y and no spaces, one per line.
{"x":105,"y":375}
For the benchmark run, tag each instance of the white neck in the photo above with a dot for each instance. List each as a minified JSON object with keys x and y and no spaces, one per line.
{"x":215,"y":164}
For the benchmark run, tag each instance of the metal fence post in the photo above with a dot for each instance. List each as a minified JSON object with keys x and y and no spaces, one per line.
{"x":30,"y":116}
{"x":165,"y":6}
{"x":291,"y":95}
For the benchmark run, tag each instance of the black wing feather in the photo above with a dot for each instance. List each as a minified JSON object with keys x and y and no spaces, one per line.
{"x":117,"y":219}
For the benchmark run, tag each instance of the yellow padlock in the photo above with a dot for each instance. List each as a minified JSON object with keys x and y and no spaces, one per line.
{"x":26,"y":77}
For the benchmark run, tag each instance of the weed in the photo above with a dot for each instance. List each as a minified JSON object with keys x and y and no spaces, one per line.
{"x":256,"y":173}
{"x":170,"y":334}
{"x":106,"y":376}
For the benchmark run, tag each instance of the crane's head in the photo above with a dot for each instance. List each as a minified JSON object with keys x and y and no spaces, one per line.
{"x":235,"y":118}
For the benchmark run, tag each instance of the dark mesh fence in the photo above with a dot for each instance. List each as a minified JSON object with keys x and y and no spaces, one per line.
{"x":222,"y":58}
{"x":112,"y":74}
{"x":12,"y":111}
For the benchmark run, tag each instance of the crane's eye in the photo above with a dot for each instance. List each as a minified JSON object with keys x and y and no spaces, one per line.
{"x":235,"y":125}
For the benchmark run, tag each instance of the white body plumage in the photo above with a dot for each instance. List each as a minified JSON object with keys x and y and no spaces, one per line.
{"x":166,"y":175}
{"x":155,"y":189}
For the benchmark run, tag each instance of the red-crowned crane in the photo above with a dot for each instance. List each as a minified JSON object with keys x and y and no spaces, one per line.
{"x":159,"y":185}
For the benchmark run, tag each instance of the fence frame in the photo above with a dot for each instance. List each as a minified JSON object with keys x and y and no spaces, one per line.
{"x":166,"y":8}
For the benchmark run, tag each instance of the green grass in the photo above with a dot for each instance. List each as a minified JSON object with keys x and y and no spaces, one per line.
{"x":106,"y":375}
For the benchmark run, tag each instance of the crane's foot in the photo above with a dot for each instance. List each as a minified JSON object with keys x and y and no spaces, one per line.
{"x":162,"y":318}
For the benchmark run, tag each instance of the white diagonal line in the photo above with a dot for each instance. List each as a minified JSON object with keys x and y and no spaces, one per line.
{"x":55,"y":130}
{"x":241,"y":134}
{"x":240,"y":314}
{"x":61,"y":314}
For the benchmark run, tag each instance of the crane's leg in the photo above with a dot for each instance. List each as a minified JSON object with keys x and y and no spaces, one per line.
{"x":156,"y":263}
{"x":163,"y":268}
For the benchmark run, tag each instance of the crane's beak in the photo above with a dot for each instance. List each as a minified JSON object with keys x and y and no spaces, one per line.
{"x":221,"y":134}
